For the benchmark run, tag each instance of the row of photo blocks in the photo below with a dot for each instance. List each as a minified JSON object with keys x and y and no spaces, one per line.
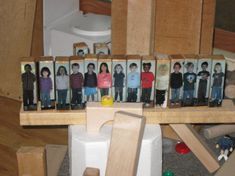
{"x":69,"y":82}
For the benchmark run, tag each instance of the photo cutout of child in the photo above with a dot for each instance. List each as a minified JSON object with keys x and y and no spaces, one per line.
{"x":189,"y":82}
{"x":162,"y":82}
{"x":80,"y":49}
{"x":203,"y":81}
{"x":101,"y":49}
{"x":147,"y":82}
{"x":217,"y":82}
{"x":133,"y":80}
{"x":29,"y":86}
{"x":62,"y":85}
{"x":76,"y":84}
{"x":90,"y":80}
{"x":176,"y":82}
{"x":119,"y":81}
{"x":104,"y":79}
{"x":46,"y":84}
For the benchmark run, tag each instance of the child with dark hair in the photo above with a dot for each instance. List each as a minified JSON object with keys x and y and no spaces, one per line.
{"x":104,"y":79}
{"x":62,"y":85}
{"x":133,"y":83}
{"x":176,"y":83}
{"x":189,"y":84}
{"x":76,"y":83}
{"x":118,"y":81}
{"x":28,"y":79}
{"x":202,"y":88}
{"x":80,"y":52}
{"x":45,"y":87}
{"x":147,"y":78}
{"x":90,"y":82}
{"x":216,"y":94}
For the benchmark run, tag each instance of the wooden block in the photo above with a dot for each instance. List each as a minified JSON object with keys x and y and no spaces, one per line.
{"x":168,"y":132}
{"x":218,"y":130}
{"x":132,"y":26}
{"x":54,"y":157}
{"x":125,"y":144}
{"x":197,"y":146}
{"x":97,"y":115}
{"x":31,"y":161}
{"x":227,"y":168}
{"x":91,"y":172}
{"x":178,"y":26}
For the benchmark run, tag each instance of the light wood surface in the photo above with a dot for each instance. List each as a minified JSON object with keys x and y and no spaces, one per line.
{"x":127,"y":134}
{"x":17,"y":20}
{"x":13,"y":136}
{"x":91,"y":172}
{"x":132,"y":26}
{"x":97,"y":115}
{"x":178,"y":26}
{"x":224,"y":114}
{"x":31,"y":161}
{"x":197,"y":146}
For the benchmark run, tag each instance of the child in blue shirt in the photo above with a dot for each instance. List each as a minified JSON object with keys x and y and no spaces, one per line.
{"x":133,"y":83}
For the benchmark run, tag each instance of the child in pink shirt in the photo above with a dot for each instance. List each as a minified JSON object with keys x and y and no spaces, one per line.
{"x":104,"y":79}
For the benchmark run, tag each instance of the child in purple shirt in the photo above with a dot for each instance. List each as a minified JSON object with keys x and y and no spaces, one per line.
{"x":45,"y":87}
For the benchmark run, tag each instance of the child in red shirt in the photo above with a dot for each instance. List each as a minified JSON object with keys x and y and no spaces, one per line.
{"x":147,"y":78}
{"x":104,"y":79}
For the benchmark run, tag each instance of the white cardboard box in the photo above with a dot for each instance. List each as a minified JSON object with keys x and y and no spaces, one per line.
{"x":86,"y":150}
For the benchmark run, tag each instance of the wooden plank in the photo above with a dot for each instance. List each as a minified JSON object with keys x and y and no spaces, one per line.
{"x":197,"y":146}
{"x":178,"y":26}
{"x":17,"y":19}
{"x":119,"y":26}
{"x":228,"y":167}
{"x":97,"y":115}
{"x":224,"y":114}
{"x":37,"y":38}
{"x":31,"y":161}
{"x":127,"y":134}
{"x":207,"y":28}
{"x":91,"y":172}
{"x":224,"y":40}
{"x":132,"y":26}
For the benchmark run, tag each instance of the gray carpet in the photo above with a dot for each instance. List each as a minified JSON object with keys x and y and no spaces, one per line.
{"x":181,"y":165}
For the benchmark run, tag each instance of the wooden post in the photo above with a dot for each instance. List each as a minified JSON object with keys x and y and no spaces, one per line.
{"x":197,"y":146}
{"x":31,"y":161}
{"x":91,"y":172}
{"x":125,"y":144}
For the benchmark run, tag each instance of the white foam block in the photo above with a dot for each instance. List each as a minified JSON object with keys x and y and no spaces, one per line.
{"x":88,"y":150}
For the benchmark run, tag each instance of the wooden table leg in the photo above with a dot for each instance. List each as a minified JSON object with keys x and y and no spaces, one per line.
{"x":197,"y":146}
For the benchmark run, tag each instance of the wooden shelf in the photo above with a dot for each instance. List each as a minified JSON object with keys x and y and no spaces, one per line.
{"x":224,"y":114}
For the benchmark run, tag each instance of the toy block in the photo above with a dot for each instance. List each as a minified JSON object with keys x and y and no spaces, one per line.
{"x":227,"y":168}
{"x":31,"y":161}
{"x":55,"y":155}
{"x":91,"y":172}
{"x":97,"y":115}
{"x":218,"y":130}
{"x":197,"y":146}
{"x":127,"y":134}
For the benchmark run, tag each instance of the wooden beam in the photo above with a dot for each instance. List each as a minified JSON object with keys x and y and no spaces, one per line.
{"x":224,"y":114}
{"x":197,"y":146}
{"x":224,"y":40}
{"x":127,"y":134}
{"x":31,"y":161}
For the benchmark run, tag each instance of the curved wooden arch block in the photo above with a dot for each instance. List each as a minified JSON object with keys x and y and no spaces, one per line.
{"x":97,"y":115}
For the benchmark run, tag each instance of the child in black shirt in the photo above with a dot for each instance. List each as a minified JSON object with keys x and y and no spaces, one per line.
{"x":118,"y":81}
{"x":189,"y":79}
{"x":176,"y":83}
{"x":90,"y":82}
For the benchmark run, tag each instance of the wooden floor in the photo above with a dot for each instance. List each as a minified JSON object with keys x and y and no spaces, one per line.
{"x":12,"y":136}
